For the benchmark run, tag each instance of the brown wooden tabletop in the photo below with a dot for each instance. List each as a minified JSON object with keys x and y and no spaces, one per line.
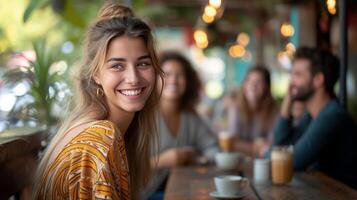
{"x":196,"y":182}
{"x":307,"y":185}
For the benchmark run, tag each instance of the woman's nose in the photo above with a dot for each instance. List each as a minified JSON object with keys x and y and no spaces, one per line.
{"x":131,"y":75}
{"x":172,"y":78}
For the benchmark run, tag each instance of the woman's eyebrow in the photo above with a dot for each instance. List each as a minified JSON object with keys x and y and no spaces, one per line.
{"x":144,"y":57}
{"x":116,"y":59}
{"x":123,"y":59}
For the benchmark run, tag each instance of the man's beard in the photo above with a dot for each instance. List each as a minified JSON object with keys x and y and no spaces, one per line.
{"x":302,"y":93}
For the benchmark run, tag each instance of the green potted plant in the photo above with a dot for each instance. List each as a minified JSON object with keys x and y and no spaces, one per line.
{"x":45,"y":85}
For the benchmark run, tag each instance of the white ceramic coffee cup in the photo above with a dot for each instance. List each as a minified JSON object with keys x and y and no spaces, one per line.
{"x":230,"y":185}
{"x":228,"y":160}
{"x":261,"y":170}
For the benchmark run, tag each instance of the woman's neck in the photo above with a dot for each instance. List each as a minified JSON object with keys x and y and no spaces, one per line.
{"x":170,"y":111}
{"x":253,"y":105}
{"x":170,"y":107}
{"x":121,"y":119}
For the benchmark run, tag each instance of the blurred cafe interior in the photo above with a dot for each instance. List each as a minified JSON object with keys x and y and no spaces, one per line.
{"x":243,"y":54}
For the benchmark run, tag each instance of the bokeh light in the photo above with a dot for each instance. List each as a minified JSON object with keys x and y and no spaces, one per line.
{"x":243,"y":39}
{"x":58,"y":67}
{"x":215,"y":3}
{"x":67,"y":47}
{"x":236,"y":51}
{"x":210,"y":11}
{"x":201,"y":39}
{"x":21,"y":88}
{"x":284,"y":60}
{"x":7,"y":102}
{"x":214,"y":89}
{"x":331,"y":6}
{"x":287,"y":30}
{"x":207,"y":19}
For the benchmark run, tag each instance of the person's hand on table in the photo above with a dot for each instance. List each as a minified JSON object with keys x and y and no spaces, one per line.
{"x":260,"y":146}
{"x":177,"y":156}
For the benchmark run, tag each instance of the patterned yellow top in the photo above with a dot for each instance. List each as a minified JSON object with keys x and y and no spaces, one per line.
{"x":93,"y":165}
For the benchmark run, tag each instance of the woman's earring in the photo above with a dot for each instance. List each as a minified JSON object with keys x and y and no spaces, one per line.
{"x":100,"y":92}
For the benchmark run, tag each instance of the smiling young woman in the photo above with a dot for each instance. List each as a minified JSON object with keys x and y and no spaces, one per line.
{"x":102,"y":150}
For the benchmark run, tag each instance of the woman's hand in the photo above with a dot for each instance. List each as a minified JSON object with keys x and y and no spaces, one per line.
{"x":176,"y":157}
{"x":260,"y":146}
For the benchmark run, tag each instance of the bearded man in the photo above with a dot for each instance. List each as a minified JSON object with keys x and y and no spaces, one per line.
{"x":326,"y":138}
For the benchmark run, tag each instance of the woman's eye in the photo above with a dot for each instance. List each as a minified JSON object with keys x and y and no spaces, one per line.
{"x":117,"y":67}
{"x":144,"y":64}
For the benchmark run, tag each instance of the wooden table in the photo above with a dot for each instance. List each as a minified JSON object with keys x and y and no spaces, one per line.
{"x":307,"y":185}
{"x":196,"y":182}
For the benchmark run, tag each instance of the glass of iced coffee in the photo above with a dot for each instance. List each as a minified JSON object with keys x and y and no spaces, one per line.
{"x":282,"y":164}
{"x":226,"y":141}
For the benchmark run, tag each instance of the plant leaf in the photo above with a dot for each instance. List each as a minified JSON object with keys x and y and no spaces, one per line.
{"x":73,"y":16}
{"x":33,"y":4}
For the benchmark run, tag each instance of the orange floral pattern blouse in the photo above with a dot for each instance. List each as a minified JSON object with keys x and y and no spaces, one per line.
{"x":93,"y":165}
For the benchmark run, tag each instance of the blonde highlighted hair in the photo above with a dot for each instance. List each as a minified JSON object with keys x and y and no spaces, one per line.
{"x":114,"y":20}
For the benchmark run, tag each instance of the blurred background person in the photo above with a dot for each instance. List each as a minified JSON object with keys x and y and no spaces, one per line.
{"x":184,"y":137}
{"x":325,"y":138}
{"x":252,"y":113}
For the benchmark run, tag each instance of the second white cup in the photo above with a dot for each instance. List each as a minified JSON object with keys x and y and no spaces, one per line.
{"x":261,"y":170}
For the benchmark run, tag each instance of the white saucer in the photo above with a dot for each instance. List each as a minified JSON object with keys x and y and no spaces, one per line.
{"x":216,"y":195}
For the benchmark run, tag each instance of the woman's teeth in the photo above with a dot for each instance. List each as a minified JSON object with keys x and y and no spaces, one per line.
{"x":131,"y":92}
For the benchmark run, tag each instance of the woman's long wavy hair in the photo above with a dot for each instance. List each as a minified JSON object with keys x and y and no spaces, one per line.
{"x":114,"y":21}
{"x":266,"y":109}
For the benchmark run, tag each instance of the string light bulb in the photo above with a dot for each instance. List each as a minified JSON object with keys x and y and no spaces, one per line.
{"x":210,"y":11}
{"x":207,"y":19}
{"x":331,"y":6}
{"x":201,"y":39}
{"x":215,"y":3}
{"x":236,"y":51}
{"x":287,"y":30}
{"x":243,"y":39}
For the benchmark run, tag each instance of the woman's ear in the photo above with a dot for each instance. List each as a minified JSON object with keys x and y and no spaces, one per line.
{"x":96,"y":79}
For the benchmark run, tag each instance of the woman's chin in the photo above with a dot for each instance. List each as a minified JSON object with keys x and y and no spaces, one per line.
{"x":171,"y":97}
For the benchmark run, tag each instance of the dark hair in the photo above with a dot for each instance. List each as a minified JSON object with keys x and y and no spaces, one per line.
{"x":321,"y":61}
{"x":193,"y":84}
